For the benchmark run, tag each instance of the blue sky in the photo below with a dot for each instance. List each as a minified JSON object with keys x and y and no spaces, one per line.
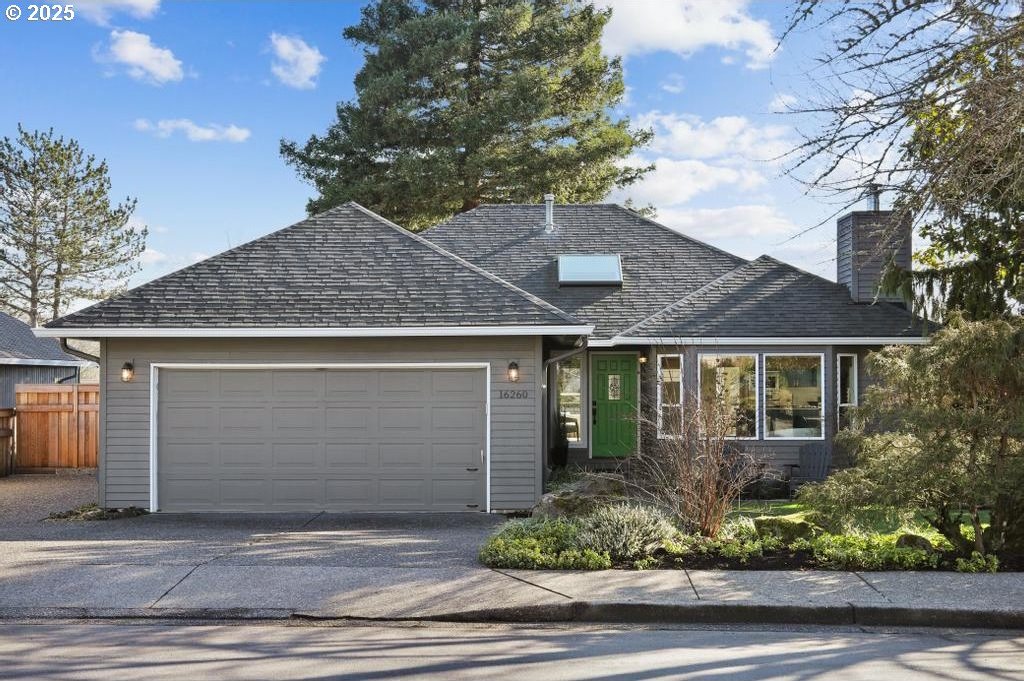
{"x":188,"y":101}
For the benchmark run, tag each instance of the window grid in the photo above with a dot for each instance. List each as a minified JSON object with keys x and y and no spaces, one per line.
{"x":661,"y":404}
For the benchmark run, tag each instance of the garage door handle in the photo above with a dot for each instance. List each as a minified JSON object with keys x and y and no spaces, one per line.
{"x":472,"y":470}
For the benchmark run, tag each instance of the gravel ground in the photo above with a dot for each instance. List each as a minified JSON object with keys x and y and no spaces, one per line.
{"x":27,"y":499}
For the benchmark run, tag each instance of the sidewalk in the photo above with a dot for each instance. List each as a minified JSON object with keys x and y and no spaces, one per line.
{"x":219,"y":591}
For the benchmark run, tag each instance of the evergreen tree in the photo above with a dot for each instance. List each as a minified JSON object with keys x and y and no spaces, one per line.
{"x":463,"y":102}
{"x":61,"y":240}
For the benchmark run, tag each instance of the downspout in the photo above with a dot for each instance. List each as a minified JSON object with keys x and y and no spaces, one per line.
{"x":77,"y":353}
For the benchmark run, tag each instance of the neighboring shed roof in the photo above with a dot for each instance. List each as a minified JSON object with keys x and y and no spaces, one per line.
{"x":345,"y":268}
{"x":768,"y":298}
{"x":659,"y":265}
{"x":18,"y":345}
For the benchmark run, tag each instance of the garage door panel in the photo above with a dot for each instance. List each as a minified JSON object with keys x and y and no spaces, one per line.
{"x":331,"y":439}
{"x":358,"y":455}
{"x":297,"y":386}
{"x":242,"y":385}
{"x":455,"y":454}
{"x":297,"y":455}
{"x":308,"y":418}
{"x":401,"y":493}
{"x":353,"y":421}
{"x":251,"y":419}
{"x":246,"y":454}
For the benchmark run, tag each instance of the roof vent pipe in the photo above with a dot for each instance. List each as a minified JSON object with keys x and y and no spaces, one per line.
{"x":549,"y":213}
{"x":874,"y":195}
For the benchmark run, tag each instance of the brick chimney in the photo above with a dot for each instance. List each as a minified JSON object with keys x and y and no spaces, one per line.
{"x":866,"y":240}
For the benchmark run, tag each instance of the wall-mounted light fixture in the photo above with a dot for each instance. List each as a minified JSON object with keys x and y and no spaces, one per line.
{"x":127,"y":372}
{"x":513,"y":372}
{"x":643,"y":359}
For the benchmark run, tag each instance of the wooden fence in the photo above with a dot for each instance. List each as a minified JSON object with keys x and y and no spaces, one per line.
{"x":57,"y":426}
{"x":6,"y":442}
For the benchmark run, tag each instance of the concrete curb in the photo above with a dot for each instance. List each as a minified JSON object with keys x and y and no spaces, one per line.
{"x":582,"y":612}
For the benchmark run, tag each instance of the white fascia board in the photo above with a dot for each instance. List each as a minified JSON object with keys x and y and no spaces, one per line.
{"x":298,"y":332}
{"x":809,"y":340}
{"x":598,"y":343}
{"x":43,"y":362}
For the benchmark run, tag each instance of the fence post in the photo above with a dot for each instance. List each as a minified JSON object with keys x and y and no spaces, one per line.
{"x":7,"y":441}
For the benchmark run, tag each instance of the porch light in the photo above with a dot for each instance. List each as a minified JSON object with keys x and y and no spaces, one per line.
{"x":127,"y":372}
{"x":513,"y":372}
{"x":643,"y":359}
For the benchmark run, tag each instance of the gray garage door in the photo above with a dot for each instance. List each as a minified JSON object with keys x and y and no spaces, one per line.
{"x":321,"y":439}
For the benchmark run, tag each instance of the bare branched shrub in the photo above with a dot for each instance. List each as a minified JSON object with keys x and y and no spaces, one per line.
{"x":693,"y":471}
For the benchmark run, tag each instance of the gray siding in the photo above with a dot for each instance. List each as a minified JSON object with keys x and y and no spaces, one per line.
{"x":515,"y":421}
{"x":12,"y":374}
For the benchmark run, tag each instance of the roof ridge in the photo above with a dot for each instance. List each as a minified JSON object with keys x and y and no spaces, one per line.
{"x":692,"y":294}
{"x":679,"y":234}
{"x":465,"y":263}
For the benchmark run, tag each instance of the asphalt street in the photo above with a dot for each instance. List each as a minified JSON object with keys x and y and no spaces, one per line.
{"x":136,"y":650}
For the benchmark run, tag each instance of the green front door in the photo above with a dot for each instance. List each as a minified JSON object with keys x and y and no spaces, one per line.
{"x":613,"y":397}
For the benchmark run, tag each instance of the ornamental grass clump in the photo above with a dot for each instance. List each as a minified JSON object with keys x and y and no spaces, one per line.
{"x":625,"y":532}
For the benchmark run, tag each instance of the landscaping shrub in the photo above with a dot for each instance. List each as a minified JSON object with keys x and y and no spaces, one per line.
{"x":946,"y":440}
{"x":977,"y":563}
{"x":625,"y":532}
{"x":696,"y":473}
{"x":864,"y":552}
{"x":540,"y":545}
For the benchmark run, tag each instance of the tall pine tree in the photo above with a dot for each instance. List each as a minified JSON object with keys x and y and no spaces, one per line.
{"x":61,"y":239}
{"x":464,"y":102}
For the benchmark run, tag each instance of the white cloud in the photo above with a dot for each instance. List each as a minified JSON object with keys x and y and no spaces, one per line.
{"x":296,"y":64}
{"x":211,"y":132}
{"x":684,"y":135}
{"x":674,"y":83}
{"x":685,"y":27}
{"x":781,"y":103}
{"x":144,"y":60}
{"x":101,"y":11}
{"x":151,"y":256}
{"x":751,"y":220}
{"x":675,"y":182}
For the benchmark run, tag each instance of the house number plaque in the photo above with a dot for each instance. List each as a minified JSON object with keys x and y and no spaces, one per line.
{"x":513,"y":394}
{"x":614,"y":387}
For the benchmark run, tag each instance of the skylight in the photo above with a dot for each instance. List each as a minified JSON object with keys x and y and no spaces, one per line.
{"x":592,"y":270}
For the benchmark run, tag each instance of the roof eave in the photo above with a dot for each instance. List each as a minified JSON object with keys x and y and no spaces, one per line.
{"x":767,"y":340}
{"x":308,"y":332}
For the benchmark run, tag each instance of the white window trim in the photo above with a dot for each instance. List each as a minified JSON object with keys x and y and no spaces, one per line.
{"x":839,"y":387}
{"x":821,"y":386}
{"x":682,"y":357}
{"x":757,"y":393}
{"x":154,"y":392}
{"x":584,"y":403}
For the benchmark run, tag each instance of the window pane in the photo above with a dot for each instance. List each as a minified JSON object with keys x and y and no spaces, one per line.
{"x":671,"y":420}
{"x":570,"y":397}
{"x":793,"y":396}
{"x":847,"y":379}
{"x":730,"y":381}
{"x":671,"y":374}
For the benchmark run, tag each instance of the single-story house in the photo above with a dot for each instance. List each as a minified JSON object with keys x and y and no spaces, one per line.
{"x":344,"y":363}
{"x":25,"y":358}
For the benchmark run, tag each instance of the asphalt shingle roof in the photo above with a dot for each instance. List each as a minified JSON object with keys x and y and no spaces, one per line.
{"x":344,"y":268}
{"x":659,"y":265}
{"x":18,"y":342}
{"x":768,"y":298}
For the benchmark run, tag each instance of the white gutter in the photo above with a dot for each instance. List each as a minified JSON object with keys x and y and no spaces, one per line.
{"x":753,"y":340}
{"x":299,"y":332}
{"x":42,"y":362}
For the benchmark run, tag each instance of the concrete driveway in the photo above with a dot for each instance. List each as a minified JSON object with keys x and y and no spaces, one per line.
{"x":286,"y":561}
